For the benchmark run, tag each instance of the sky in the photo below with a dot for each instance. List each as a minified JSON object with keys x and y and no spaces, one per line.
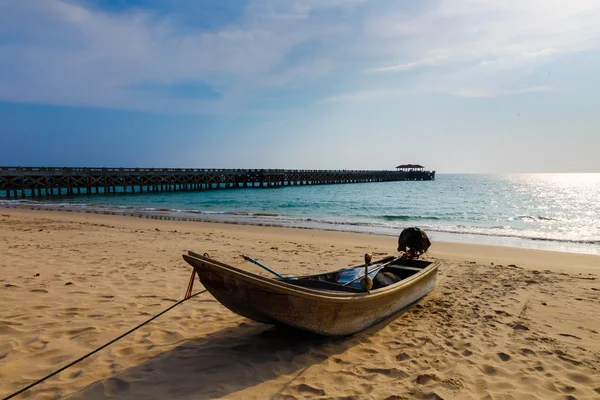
{"x":469,"y":86}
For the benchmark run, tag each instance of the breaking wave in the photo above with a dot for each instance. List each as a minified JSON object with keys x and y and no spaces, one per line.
{"x":393,"y":224}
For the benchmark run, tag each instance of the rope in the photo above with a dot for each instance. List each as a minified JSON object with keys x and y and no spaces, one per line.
{"x":18,"y":392}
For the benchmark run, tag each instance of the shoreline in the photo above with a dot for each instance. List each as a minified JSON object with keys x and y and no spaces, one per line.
{"x":468,"y":252}
{"x":265,"y":219}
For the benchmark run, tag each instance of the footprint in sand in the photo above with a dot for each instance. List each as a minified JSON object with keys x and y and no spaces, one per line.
{"x":70,"y":374}
{"x":518,"y":327}
{"x":78,"y":331}
{"x":504,"y":357}
{"x":304,"y":388}
{"x":39,"y":291}
{"x":528,"y":352}
{"x":52,"y":361}
{"x":36,"y":344}
{"x":579,"y":378}
{"x":567,"y":389}
{"x":125,"y":351}
{"x":453,"y":384}
{"x":391,"y":372}
{"x":425,"y":379}
{"x":489,"y":370}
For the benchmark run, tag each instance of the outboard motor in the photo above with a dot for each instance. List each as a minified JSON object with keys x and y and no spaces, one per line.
{"x":413,"y":242}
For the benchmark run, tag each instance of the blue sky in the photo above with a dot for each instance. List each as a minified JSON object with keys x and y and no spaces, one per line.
{"x":455,"y":85}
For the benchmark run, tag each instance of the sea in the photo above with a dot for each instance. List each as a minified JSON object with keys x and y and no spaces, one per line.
{"x":558,"y":212}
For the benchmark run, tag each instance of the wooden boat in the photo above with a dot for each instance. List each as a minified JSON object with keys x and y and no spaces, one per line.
{"x":315,"y":303}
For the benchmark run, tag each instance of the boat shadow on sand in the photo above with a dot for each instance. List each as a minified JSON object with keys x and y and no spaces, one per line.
{"x":228,"y":361}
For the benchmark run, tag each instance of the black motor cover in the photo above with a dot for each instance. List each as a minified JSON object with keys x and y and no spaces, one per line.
{"x":414,"y":240}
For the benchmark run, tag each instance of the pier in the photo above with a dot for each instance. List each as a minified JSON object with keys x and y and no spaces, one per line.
{"x":32,"y":182}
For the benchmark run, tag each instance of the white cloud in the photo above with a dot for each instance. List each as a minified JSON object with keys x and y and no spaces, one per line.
{"x":481,"y":45}
{"x":429,"y":61}
{"x":67,"y":54}
{"x":368,"y":95}
{"x":64,"y":53}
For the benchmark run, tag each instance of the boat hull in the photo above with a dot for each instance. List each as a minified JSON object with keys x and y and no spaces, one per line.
{"x":323,"y":312}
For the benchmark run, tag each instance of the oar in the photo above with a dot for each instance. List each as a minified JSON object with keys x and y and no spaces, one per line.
{"x":367,"y":263}
{"x":366,"y":282}
{"x":245,"y":257}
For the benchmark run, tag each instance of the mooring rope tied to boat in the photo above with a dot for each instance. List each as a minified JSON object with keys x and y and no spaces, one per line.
{"x":26,"y":388}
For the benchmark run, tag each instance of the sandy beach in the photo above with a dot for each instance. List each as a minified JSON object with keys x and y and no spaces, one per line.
{"x":502,"y":323}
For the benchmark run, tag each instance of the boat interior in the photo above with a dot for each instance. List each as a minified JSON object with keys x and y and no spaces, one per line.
{"x":390,"y":271}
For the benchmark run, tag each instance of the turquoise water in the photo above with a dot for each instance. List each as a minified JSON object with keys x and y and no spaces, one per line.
{"x":548,"y":211}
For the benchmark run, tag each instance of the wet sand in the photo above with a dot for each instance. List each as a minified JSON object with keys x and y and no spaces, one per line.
{"x":502,"y":323}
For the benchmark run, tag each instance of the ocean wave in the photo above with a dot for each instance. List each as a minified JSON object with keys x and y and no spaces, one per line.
{"x":274,"y":219}
{"x":331,"y":222}
{"x":533,"y":218}
{"x":513,"y":234}
{"x":407,"y":217}
{"x":41,"y":204}
{"x":494,"y":231}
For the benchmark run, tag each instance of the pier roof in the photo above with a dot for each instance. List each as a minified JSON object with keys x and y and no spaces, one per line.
{"x":409,"y":166}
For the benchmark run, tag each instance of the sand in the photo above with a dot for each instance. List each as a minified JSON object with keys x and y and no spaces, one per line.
{"x":502,"y":323}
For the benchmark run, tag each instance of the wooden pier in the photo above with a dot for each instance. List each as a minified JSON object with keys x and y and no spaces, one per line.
{"x":31,"y":182}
